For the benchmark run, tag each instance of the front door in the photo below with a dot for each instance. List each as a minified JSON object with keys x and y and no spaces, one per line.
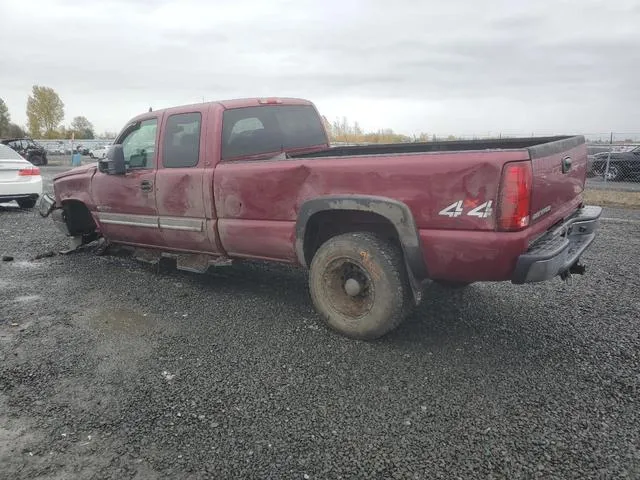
{"x":126,"y":204}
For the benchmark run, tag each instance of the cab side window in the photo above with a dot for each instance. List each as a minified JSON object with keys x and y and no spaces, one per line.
{"x":139,"y":147}
{"x":181,"y":146}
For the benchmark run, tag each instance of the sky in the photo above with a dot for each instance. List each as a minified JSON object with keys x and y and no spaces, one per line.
{"x":463,"y":67}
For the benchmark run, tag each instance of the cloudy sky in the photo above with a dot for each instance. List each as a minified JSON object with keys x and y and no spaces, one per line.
{"x":455,"y":66}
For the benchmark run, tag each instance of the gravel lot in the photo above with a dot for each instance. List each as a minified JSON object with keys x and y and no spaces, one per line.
{"x":109,"y":369}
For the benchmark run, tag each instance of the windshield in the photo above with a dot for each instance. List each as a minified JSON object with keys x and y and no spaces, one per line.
{"x":7,"y":153}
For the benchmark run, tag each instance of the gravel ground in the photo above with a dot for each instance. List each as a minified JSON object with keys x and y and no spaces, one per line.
{"x":109,"y":369}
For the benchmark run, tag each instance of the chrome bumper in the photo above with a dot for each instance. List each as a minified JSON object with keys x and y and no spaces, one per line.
{"x":560,"y":249}
{"x":46,"y":204}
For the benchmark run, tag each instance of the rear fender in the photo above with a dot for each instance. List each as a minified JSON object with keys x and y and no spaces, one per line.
{"x":397,"y":213}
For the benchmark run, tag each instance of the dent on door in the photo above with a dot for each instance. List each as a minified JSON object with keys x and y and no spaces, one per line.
{"x":126,"y":208}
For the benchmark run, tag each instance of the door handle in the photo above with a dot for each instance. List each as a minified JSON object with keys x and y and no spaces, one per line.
{"x":566,"y":164}
{"x":146,"y":186}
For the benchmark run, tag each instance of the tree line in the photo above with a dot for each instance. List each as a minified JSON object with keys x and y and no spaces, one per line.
{"x":342,"y":130}
{"x":45,"y":114}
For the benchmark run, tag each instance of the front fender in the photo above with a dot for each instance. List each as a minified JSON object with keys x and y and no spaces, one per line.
{"x":75,"y":185}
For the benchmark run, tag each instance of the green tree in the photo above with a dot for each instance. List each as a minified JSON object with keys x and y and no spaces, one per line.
{"x":45,"y":111}
{"x":5,"y":119}
{"x":15,"y":131}
{"x":82,"y":127}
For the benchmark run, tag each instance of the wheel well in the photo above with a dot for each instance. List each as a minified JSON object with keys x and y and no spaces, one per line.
{"x":329,"y":223}
{"x":78,"y":217}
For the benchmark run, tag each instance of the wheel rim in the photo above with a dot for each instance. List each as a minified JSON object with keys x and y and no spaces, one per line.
{"x":612,"y":173}
{"x":348,"y":288}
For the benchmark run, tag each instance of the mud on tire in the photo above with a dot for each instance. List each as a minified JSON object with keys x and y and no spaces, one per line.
{"x":359,"y":285}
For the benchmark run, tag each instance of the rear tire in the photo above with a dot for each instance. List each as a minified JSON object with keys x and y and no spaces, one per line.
{"x":37,"y":160}
{"x":27,"y":202}
{"x":359,"y":285}
{"x":614,"y":173}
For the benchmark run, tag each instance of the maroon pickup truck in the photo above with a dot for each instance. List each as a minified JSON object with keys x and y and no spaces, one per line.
{"x":214,"y":182}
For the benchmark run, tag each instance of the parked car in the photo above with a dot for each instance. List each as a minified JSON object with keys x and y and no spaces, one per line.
{"x":83,"y":150}
{"x":622,"y":165}
{"x":28,"y":149}
{"x":52,"y":149}
{"x":99,"y":152}
{"x":19,"y":179}
{"x":215,"y":182}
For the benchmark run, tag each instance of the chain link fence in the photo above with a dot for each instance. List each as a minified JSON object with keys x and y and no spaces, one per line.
{"x":613,"y":158}
{"x":67,"y":147}
{"x":614,"y":161}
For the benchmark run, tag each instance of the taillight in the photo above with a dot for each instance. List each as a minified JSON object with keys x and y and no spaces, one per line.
{"x":514,"y":198}
{"x":27,"y":172}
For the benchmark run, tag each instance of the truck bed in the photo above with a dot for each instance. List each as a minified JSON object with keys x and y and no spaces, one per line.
{"x":533,"y":144}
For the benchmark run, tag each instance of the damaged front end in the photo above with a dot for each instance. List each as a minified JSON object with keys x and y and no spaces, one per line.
{"x":47,"y":207}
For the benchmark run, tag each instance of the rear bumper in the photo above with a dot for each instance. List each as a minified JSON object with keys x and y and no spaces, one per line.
{"x":8,"y":198}
{"x":558,"y":250}
{"x":28,"y":187}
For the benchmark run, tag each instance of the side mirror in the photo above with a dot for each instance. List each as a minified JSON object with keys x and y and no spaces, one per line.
{"x":115,"y":164}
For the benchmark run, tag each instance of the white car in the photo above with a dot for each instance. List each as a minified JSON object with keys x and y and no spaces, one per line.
{"x":19,"y":179}
{"x":99,"y":152}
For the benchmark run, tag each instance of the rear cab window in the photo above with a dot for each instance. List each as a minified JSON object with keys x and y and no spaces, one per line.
{"x":271,"y":128}
{"x":181,"y":145}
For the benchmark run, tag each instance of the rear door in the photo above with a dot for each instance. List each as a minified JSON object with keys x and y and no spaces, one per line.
{"x":182,"y":196}
{"x":559,"y":173}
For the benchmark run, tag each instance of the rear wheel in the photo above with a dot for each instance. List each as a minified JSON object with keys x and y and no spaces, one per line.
{"x":26,"y":202}
{"x":359,"y":285}
{"x":37,"y":160}
{"x":614,"y":173}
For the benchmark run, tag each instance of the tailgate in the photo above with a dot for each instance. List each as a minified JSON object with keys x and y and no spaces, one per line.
{"x":559,"y":173}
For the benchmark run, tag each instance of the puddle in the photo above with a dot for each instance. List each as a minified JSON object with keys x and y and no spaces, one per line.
{"x":121,"y":320}
{"x":27,"y":298}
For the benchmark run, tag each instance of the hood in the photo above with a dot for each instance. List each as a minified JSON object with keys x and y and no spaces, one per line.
{"x":82,"y":169}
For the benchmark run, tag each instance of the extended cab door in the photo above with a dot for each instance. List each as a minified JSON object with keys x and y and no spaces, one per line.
{"x":126,"y":204}
{"x":184,"y":187}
